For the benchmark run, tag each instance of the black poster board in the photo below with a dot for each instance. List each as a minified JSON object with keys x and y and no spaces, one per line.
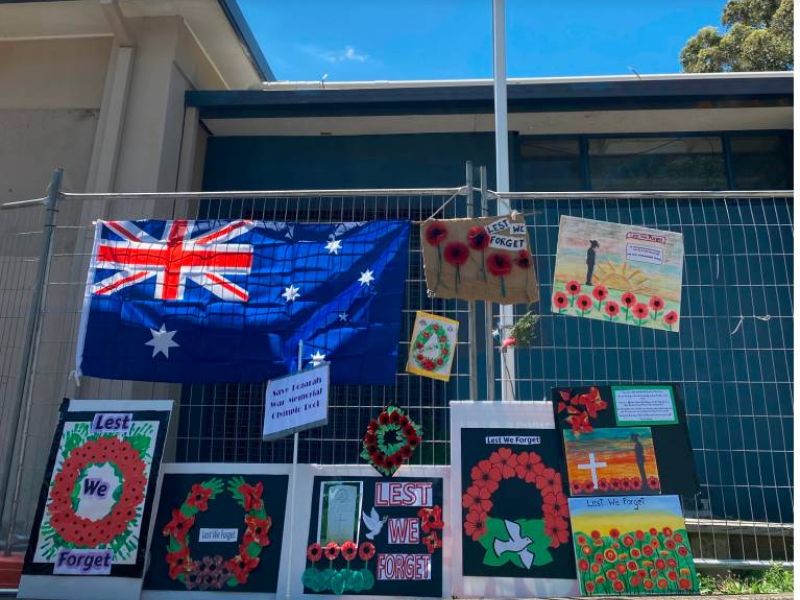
{"x":231,"y":522}
{"x":527,"y":503}
{"x":659,"y":407}
{"x":396,"y":525}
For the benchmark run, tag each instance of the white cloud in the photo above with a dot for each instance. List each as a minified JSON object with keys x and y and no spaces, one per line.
{"x":348,"y":54}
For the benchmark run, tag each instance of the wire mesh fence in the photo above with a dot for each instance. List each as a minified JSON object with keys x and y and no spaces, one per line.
{"x":733,"y":356}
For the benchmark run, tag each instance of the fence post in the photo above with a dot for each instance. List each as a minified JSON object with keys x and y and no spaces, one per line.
{"x":473,"y":304}
{"x":487,"y":305}
{"x":30,"y":350}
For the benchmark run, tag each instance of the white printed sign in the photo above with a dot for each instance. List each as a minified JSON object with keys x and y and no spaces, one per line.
{"x":644,"y":405}
{"x":296,"y":402}
{"x":499,"y":225}
{"x":645,"y":254}
{"x":403,"y":531}
{"x":215,"y":534}
{"x":407,"y":567}
{"x":518,"y":229}
{"x":504,"y":242}
{"x":83,"y":562}
{"x":403,"y":493}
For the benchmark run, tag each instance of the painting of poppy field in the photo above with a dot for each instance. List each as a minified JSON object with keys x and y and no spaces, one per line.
{"x":632,"y":545}
{"x":618,"y":273}
{"x":605,"y":461}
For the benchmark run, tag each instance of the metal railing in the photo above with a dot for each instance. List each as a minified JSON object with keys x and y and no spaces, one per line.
{"x":733,"y":355}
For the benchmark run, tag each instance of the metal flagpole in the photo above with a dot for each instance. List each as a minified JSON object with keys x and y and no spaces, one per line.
{"x":501,"y":155}
{"x":292,"y":483}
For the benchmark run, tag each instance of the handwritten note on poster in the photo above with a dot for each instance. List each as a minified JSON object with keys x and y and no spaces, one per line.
{"x":652,"y":405}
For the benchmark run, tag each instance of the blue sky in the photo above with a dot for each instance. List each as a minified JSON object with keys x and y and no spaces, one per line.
{"x":451,"y":39}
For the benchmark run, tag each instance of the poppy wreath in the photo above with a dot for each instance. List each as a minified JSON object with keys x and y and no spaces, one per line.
{"x":390,"y":440}
{"x":436,"y":332}
{"x":214,"y":572}
{"x":494,"y":534}
{"x":68,"y":528}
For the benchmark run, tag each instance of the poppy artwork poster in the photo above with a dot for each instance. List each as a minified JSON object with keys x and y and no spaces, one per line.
{"x":515,"y":518}
{"x":632,"y":545}
{"x":217,"y":530}
{"x":618,"y":273}
{"x":95,"y":506}
{"x":375,"y":536}
{"x":484,"y":258}
{"x":432,"y":347}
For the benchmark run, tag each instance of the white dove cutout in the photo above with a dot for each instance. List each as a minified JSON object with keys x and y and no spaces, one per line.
{"x":516,"y":543}
{"x":373,"y":522}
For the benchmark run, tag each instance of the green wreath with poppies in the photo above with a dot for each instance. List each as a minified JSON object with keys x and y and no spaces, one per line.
{"x":81,"y":451}
{"x":390,"y":440}
{"x":434,"y":331}
{"x":214,"y":572}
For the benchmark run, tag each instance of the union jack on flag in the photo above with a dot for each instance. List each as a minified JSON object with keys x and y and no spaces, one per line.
{"x":229,"y":301}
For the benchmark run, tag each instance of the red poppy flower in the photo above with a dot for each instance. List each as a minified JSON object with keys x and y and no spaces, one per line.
{"x":436,"y":233}
{"x":258,"y":529}
{"x":431,"y":518}
{"x":612,"y":308}
{"x":547,"y":478}
{"x":332,"y":551}
{"x":584,"y":302}
{"x":618,"y":586}
{"x":677,"y":537}
{"x":432,"y":542}
{"x":314,"y":552}
{"x":648,"y":585}
{"x":394,"y":417}
{"x":199,"y":496}
{"x":588,"y":486}
{"x":636,"y":483}
{"x":252,"y":496}
{"x":626,"y":483}
{"x":498,"y":264}
{"x":656,"y":303}
{"x":589,"y":587}
{"x":456,"y":253}
{"x":349,"y":550}
{"x":526,"y":466}
{"x":477,"y":238}
{"x":477,"y":498}
{"x":614,"y":532}
{"x":661,"y":564}
{"x":636,"y":553}
{"x":612,"y":575}
{"x":583,"y":564}
{"x":627,"y":540}
{"x":560,"y":300}
{"x":505,"y":461}
{"x":667,"y":530}
{"x":671,"y":318}
{"x":383,"y":418}
{"x":523,"y":259}
{"x":413,"y":440}
{"x":366,"y":551}
{"x":179,"y":525}
{"x":573,"y":288}
{"x":653,"y":531}
{"x":595,"y":534}
{"x":670,"y":544}
{"x":684,"y":583}
{"x":628,"y":299}
{"x":558,"y":535}
{"x":179,"y":562}
{"x":556,"y":504}
{"x":485,"y":475}
{"x":241,"y":565}
{"x":475,"y":525}
{"x":621,"y":568}
{"x":641,"y":311}
{"x":576,"y":487}
{"x":683,"y":551}
{"x":600,"y":292}
{"x":662,"y":584}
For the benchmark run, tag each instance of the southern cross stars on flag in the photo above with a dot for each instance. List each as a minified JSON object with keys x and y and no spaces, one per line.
{"x":214,"y":301}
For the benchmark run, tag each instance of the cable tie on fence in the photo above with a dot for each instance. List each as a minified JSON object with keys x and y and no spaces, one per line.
{"x":75,"y":377}
{"x":764,"y":318}
{"x":458,"y":192}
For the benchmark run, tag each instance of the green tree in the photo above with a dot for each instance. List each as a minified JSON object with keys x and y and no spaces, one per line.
{"x":756,"y":35}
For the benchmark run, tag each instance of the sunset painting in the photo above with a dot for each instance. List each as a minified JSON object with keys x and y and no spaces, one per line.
{"x":611,"y":461}
{"x":618,"y":273}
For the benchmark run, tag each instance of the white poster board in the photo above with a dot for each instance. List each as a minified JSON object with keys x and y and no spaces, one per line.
{"x":296,"y":402}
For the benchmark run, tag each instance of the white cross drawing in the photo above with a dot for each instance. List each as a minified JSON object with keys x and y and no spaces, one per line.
{"x":592,"y":466}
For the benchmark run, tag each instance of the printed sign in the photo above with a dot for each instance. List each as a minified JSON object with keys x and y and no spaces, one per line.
{"x":618,"y":273}
{"x":648,"y":405}
{"x":396,"y":551}
{"x":505,"y":242}
{"x":296,"y":402}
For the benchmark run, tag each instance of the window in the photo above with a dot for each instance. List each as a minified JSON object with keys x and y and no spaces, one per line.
{"x":761,"y":162}
{"x":548,"y":165}
{"x":685,"y":163}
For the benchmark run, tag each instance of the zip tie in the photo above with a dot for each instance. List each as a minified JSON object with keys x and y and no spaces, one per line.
{"x":717,"y":266}
{"x":765,"y":319}
{"x":458,"y":192}
{"x":74,"y":376}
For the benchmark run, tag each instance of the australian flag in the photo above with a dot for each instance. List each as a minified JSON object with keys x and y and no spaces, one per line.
{"x":230,"y":301}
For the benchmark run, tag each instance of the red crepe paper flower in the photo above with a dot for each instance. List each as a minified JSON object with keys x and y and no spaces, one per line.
{"x":484,"y":474}
{"x":600,"y":292}
{"x":584,"y":303}
{"x":557,"y":533}
{"x":332,"y":551}
{"x":436,"y":233}
{"x":456,"y":253}
{"x":349,"y":551}
{"x":314,"y":552}
{"x":526,"y":466}
{"x":612,"y":309}
{"x":431,"y":518}
{"x":505,"y":461}
{"x":199,"y":497}
{"x":628,"y":299}
{"x":523,"y":259}
{"x":242,"y":565}
{"x":179,"y":562}
{"x":640,"y":311}
{"x":656,"y":303}
{"x":475,"y":525}
{"x":366,"y":551}
{"x":573,"y":288}
{"x":477,"y":498}
{"x":560,"y":300}
{"x":179,"y":525}
{"x":499,"y":264}
{"x":258,"y":529}
{"x":432,"y":542}
{"x":477,"y":238}
{"x":252,"y":496}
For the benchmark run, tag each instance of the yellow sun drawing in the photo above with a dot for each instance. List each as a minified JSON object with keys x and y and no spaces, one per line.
{"x":620,"y":278}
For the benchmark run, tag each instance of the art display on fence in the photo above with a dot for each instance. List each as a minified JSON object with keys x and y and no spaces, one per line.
{"x":485,"y":258}
{"x":618,"y":273}
{"x":218,"y":532}
{"x":94,"y":508}
{"x":515,"y":514}
{"x":433,"y":346}
{"x":229,"y":301}
{"x":618,"y":460}
{"x":376,"y":537}
{"x":632,"y":545}
{"x":638,"y":430}
{"x":390,"y":440}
